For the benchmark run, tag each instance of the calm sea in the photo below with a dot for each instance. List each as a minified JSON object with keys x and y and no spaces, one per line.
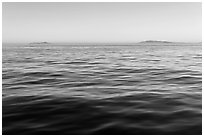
{"x":64,"y":89}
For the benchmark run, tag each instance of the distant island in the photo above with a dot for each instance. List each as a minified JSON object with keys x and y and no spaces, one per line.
{"x":166,"y":43}
{"x":44,"y":42}
{"x":155,"y":41}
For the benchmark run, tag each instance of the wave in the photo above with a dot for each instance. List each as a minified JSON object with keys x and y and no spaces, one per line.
{"x":150,"y":90}
{"x":142,"y":114}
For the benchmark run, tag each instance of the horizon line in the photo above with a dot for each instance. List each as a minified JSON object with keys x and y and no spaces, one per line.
{"x":105,"y":42}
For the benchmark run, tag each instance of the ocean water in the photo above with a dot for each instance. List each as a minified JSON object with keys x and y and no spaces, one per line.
{"x":109,"y":90}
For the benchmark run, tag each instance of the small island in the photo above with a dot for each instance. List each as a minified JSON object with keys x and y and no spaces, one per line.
{"x":155,"y":42}
{"x":44,"y":42}
{"x":166,"y":43}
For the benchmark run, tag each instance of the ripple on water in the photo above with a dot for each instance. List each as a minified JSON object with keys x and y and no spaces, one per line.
{"x":102,"y":90}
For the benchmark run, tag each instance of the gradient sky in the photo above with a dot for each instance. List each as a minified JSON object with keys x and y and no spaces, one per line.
{"x":101,"y":22}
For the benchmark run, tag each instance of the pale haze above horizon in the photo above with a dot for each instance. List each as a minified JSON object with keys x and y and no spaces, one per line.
{"x":101,"y":22}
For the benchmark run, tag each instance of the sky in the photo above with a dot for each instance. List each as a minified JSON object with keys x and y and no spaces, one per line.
{"x":101,"y":22}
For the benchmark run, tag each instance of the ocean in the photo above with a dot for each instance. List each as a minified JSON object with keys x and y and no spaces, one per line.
{"x":101,"y":89}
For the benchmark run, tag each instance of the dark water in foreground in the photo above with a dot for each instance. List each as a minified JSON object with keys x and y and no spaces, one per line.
{"x":116,"y":90}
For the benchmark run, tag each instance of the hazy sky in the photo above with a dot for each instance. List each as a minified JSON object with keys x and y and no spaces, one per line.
{"x":102,"y":22}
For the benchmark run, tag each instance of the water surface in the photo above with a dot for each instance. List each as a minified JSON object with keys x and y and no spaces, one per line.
{"x":64,"y":89}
